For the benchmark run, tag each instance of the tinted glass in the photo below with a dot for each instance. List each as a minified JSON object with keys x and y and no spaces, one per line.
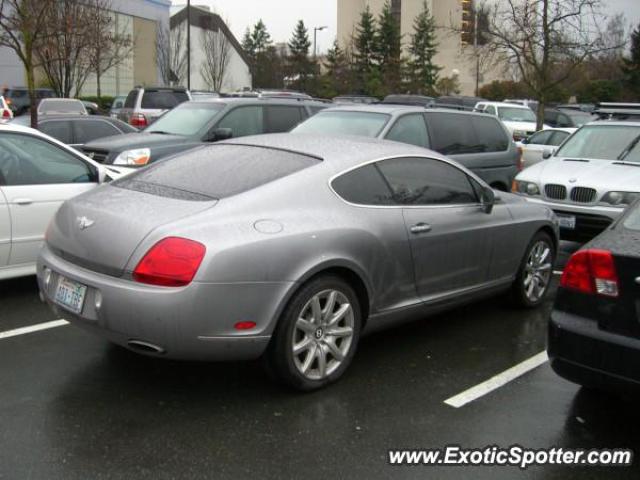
{"x":93,"y":129}
{"x":223,"y":171}
{"x":453,"y":134}
{"x":130,"y":102}
{"x":418,"y":181}
{"x":490,"y":134}
{"x":26,"y":160}
{"x":540,"y":138}
{"x":578,"y":119}
{"x":162,"y":99}
{"x":606,"y":142}
{"x":512,"y":114}
{"x":187,"y":119}
{"x":557,"y":138}
{"x":363,"y":124}
{"x":61,"y":106}
{"x":410,"y":129}
{"x":244,"y":121}
{"x":363,"y":186}
{"x":282,"y":118}
{"x":60,"y":130}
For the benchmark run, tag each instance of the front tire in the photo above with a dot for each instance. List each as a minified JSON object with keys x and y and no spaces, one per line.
{"x":317,"y":335}
{"x":534,"y":276}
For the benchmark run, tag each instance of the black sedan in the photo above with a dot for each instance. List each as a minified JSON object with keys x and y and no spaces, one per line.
{"x":76,"y":130}
{"x":594,"y":332}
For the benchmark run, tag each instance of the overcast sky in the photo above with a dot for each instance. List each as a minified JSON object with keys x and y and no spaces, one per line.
{"x":280,"y":16}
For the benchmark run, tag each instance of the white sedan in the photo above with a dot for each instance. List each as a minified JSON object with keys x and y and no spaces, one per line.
{"x":548,"y":140}
{"x":37,"y":174}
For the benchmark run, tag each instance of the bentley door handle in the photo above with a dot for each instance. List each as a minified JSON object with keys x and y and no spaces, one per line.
{"x":420,"y":228}
{"x":22,"y":201}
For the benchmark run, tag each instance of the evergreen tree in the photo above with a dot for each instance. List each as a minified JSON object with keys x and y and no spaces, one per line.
{"x":266,"y":63}
{"x":299,"y":65}
{"x":631,"y":64}
{"x":388,"y":50}
{"x":337,"y":78}
{"x":422,"y":71}
{"x":364,"y":55}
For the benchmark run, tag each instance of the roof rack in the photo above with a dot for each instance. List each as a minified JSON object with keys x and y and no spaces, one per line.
{"x":617,"y":111}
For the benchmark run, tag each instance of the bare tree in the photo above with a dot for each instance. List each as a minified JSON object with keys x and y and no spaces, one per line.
{"x":21,"y":28}
{"x":217,"y":53}
{"x":546,"y":40}
{"x":171,"y":53}
{"x":109,"y":44}
{"x":63,"y":50}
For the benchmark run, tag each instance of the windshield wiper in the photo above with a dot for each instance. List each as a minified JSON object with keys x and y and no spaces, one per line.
{"x":160,"y":132}
{"x":630,"y":147}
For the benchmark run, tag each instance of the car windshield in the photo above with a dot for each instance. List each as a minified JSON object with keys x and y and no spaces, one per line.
{"x":604,"y":142}
{"x":511,"y":114}
{"x":62,"y":106}
{"x":187,"y":119}
{"x":363,"y":124}
{"x":580,"y":119}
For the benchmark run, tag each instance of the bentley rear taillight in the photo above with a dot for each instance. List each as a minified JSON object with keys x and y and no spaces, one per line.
{"x":172,"y":262}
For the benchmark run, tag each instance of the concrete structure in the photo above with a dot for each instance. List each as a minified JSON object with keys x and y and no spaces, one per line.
{"x":454,"y":56}
{"x":204,"y":22}
{"x":139,"y":18}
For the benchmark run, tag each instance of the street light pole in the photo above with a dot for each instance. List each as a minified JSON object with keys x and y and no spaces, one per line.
{"x":315,"y":35}
{"x":189,"y":44}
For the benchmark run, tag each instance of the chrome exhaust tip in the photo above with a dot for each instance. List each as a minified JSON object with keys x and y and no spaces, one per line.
{"x":145,"y":347}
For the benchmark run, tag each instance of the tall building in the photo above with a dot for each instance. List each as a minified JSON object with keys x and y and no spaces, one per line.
{"x":455,"y":49}
{"x":141,"y":19}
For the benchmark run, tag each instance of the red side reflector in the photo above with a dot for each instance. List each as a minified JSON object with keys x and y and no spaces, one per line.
{"x":244,"y":325}
{"x":6,"y":113}
{"x":172,"y":262}
{"x":591,"y":272}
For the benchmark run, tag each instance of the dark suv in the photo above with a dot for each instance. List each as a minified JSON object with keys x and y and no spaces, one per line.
{"x":479,"y":142}
{"x":144,"y":105}
{"x":18,"y":98}
{"x":192,"y":123}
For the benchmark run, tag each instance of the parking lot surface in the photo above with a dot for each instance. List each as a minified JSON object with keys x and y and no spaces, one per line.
{"x":74,"y":407}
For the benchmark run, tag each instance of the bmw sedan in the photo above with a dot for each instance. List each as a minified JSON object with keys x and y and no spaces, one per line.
{"x":288,"y":247}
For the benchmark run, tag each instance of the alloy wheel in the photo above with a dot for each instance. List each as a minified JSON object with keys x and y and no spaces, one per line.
{"x":538,"y":271}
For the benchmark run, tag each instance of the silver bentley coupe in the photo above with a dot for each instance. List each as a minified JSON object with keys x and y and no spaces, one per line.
{"x":288,"y":247}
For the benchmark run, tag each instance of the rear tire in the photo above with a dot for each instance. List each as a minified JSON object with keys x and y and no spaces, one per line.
{"x":534,"y":275}
{"x":316,"y":336}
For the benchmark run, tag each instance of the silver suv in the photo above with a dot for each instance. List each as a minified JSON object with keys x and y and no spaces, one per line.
{"x":144,"y":105}
{"x":590,"y":180}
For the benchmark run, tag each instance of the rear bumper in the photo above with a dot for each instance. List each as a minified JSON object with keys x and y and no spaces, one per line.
{"x":195,"y":322}
{"x":582,"y":353}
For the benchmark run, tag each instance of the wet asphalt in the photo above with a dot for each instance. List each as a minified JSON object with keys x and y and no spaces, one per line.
{"x":74,"y":407}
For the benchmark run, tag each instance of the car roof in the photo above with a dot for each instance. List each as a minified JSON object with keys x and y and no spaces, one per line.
{"x":258,"y":101}
{"x":340,"y":151}
{"x":392,"y":108}
{"x":25,"y":119}
{"x":505,"y":104}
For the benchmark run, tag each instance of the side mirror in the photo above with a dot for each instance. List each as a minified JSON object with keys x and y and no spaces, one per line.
{"x":220,"y":134}
{"x":488,"y":199}
{"x":547,"y":154}
{"x":524,"y":141}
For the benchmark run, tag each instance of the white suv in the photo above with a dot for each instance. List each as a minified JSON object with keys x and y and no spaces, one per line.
{"x":590,"y":180}
{"x":519,"y":120}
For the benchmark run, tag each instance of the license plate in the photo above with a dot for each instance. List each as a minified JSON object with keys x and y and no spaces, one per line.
{"x":567,"y":221}
{"x":70,"y":294}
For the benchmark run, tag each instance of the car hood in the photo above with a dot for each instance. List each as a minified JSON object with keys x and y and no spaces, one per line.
{"x":120,"y":143}
{"x":525,"y":126}
{"x":599,"y":174}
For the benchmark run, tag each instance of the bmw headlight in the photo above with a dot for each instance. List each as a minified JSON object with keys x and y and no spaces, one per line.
{"x":139,"y":156}
{"x":620,"y":198}
{"x":525,"y":188}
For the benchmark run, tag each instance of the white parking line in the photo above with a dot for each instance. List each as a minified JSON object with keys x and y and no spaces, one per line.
{"x":557,"y":272}
{"x":33,"y":328}
{"x":497,"y":381}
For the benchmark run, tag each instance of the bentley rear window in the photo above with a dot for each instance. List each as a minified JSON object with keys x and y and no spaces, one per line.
{"x":216,"y":171}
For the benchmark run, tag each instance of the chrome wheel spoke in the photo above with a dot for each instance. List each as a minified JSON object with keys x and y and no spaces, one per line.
{"x":305,"y":325}
{"x":300,"y":347}
{"x":316,"y":310}
{"x":340,"y":332}
{"x":322,"y":361}
{"x":334,"y":350}
{"x":339,"y":315}
{"x":311,"y":355}
{"x":331,"y":304}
